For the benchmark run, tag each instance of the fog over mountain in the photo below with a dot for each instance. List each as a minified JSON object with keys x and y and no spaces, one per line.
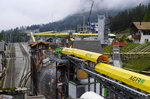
{"x":15,"y":13}
{"x":112,"y":4}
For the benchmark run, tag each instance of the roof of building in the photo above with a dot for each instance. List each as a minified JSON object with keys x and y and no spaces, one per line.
{"x":89,"y":45}
{"x":32,"y":44}
{"x":111,"y":35}
{"x":142,"y":25}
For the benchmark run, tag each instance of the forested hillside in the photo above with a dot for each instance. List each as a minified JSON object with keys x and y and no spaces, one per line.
{"x":124,"y":18}
{"x":118,"y":21}
{"x":72,"y":21}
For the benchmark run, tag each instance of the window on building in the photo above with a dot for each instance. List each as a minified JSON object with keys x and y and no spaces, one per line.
{"x":146,"y":40}
{"x":146,"y":32}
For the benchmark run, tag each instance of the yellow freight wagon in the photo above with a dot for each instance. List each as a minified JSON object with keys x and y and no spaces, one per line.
{"x":87,"y":55}
{"x":131,"y":78}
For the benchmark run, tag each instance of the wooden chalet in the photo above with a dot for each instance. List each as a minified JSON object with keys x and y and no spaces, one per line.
{"x":140,"y":32}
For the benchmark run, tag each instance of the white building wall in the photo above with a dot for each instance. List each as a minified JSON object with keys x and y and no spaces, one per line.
{"x":144,"y":38}
{"x":136,"y":41}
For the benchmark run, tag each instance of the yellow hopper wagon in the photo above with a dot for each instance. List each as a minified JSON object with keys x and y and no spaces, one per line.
{"x":130,"y":78}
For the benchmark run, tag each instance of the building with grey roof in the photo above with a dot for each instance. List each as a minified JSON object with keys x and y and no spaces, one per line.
{"x":89,"y":45}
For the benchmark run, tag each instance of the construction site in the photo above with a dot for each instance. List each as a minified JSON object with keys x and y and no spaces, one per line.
{"x":74,"y":66}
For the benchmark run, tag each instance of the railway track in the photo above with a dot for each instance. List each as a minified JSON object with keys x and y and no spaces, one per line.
{"x":9,"y":82}
{"x":26,"y":71}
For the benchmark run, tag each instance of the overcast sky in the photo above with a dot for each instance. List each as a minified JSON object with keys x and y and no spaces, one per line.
{"x":16,"y":13}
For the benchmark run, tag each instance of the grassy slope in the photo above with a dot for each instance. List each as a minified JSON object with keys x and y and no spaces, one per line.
{"x":125,"y":48}
{"x":128,"y":47}
{"x":139,"y":64}
{"x":108,"y":49}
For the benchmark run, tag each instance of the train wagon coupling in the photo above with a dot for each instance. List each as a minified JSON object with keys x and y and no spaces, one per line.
{"x":124,"y":83}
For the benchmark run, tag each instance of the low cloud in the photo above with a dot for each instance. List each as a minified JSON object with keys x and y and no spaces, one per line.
{"x":15,"y":13}
{"x":113,"y":4}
